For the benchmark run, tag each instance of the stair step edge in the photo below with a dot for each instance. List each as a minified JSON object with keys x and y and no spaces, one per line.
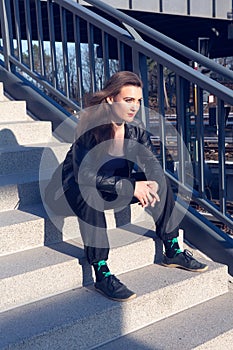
{"x":78,"y":318}
{"x":35,"y":274}
{"x":206,"y":326}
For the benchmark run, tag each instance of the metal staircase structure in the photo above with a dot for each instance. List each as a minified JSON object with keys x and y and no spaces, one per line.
{"x":47,"y":298}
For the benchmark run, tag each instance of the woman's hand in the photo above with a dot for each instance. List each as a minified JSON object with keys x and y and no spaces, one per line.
{"x":146,"y":193}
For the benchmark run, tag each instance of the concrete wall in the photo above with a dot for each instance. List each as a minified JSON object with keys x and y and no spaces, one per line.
{"x":200,"y":8}
{"x":222,"y":7}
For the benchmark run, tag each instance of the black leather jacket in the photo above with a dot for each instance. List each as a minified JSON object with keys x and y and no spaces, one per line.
{"x":85,"y":158}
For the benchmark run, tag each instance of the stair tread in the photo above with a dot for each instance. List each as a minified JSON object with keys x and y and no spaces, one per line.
{"x":13,"y":110}
{"x":27,"y":176}
{"x":23,"y":122}
{"x":38,"y":258}
{"x":186,"y":330}
{"x":13,"y":217}
{"x":25,"y":133}
{"x":40,"y":156}
{"x":17,"y":148}
{"x":22,"y":178}
{"x":35,"y":273}
{"x":36,"y":211}
{"x":82,"y":304}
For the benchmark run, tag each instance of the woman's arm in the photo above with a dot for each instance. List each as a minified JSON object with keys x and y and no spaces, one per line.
{"x":86,"y":164}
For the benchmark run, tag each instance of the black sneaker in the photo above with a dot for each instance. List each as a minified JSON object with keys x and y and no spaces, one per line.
{"x":113,"y":289}
{"x":185,"y":261}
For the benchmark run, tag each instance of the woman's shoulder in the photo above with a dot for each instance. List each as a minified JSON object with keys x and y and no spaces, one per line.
{"x":136,"y":128}
{"x":86,"y":139}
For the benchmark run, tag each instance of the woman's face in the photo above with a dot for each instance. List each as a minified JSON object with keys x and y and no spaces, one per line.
{"x":126,"y":104}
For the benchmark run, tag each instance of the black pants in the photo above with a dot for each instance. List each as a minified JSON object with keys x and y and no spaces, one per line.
{"x":89,"y":206}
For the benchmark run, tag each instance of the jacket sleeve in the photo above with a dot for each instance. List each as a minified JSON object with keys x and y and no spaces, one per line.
{"x":86,"y":165}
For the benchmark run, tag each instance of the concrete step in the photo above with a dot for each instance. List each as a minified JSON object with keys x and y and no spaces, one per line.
{"x":24,"y":133}
{"x":31,"y":226}
{"x":207,"y":326}
{"x":83,"y":319}
{"x":3,"y":97}
{"x":19,"y":231}
{"x":20,"y":159}
{"x":1,"y":92}
{"x":19,"y":190}
{"x":24,"y":189}
{"x":40,"y":272}
{"x":13,"y":111}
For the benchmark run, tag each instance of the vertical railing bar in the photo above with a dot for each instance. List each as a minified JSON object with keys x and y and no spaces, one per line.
{"x":200,"y":143}
{"x":63,"y":24}
{"x":214,"y":8}
{"x":52,"y":43}
{"x":120,"y":48}
{"x":90,"y":35}
{"x":78,"y":58}
{"x":7,"y":35}
{"x":18,"y":31}
{"x":29,"y":33}
{"x":221,"y":154}
{"x":160,"y":5}
{"x":105,"y":49}
{"x":142,"y":71}
{"x":135,"y":63}
{"x":162,"y":125}
{"x":180,"y":125}
{"x":40,"y":37}
{"x":188,"y":7}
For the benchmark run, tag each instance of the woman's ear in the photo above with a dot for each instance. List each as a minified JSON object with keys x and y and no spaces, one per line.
{"x":109,"y":100}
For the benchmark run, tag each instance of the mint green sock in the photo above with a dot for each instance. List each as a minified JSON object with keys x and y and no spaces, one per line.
{"x":172,"y":247}
{"x":101,"y":270}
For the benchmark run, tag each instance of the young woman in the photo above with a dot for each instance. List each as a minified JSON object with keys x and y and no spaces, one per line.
{"x":112,"y":163}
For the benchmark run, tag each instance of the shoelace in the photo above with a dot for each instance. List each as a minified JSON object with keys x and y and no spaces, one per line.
{"x":114,"y":280}
{"x":187,"y":254}
{"x":173,"y":242}
{"x":107,"y":274}
{"x":103,"y":263}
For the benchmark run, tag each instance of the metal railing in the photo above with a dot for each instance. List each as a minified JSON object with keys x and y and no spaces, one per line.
{"x":66,"y":50}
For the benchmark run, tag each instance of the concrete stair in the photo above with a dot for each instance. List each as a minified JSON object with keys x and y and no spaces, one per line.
{"x":82,"y":319}
{"x":24,"y":132}
{"x":58,"y":268}
{"x":19,"y":190}
{"x":46,"y":286}
{"x":14,"y":111}
{"x":206,"y":326}
{"x":20,"y":159}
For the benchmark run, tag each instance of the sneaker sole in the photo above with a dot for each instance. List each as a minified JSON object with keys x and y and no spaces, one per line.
{"x":185,"y":268}
{"x":133,"y":296}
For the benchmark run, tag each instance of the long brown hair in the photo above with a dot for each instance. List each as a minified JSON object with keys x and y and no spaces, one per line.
{"x":97,"y":112}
